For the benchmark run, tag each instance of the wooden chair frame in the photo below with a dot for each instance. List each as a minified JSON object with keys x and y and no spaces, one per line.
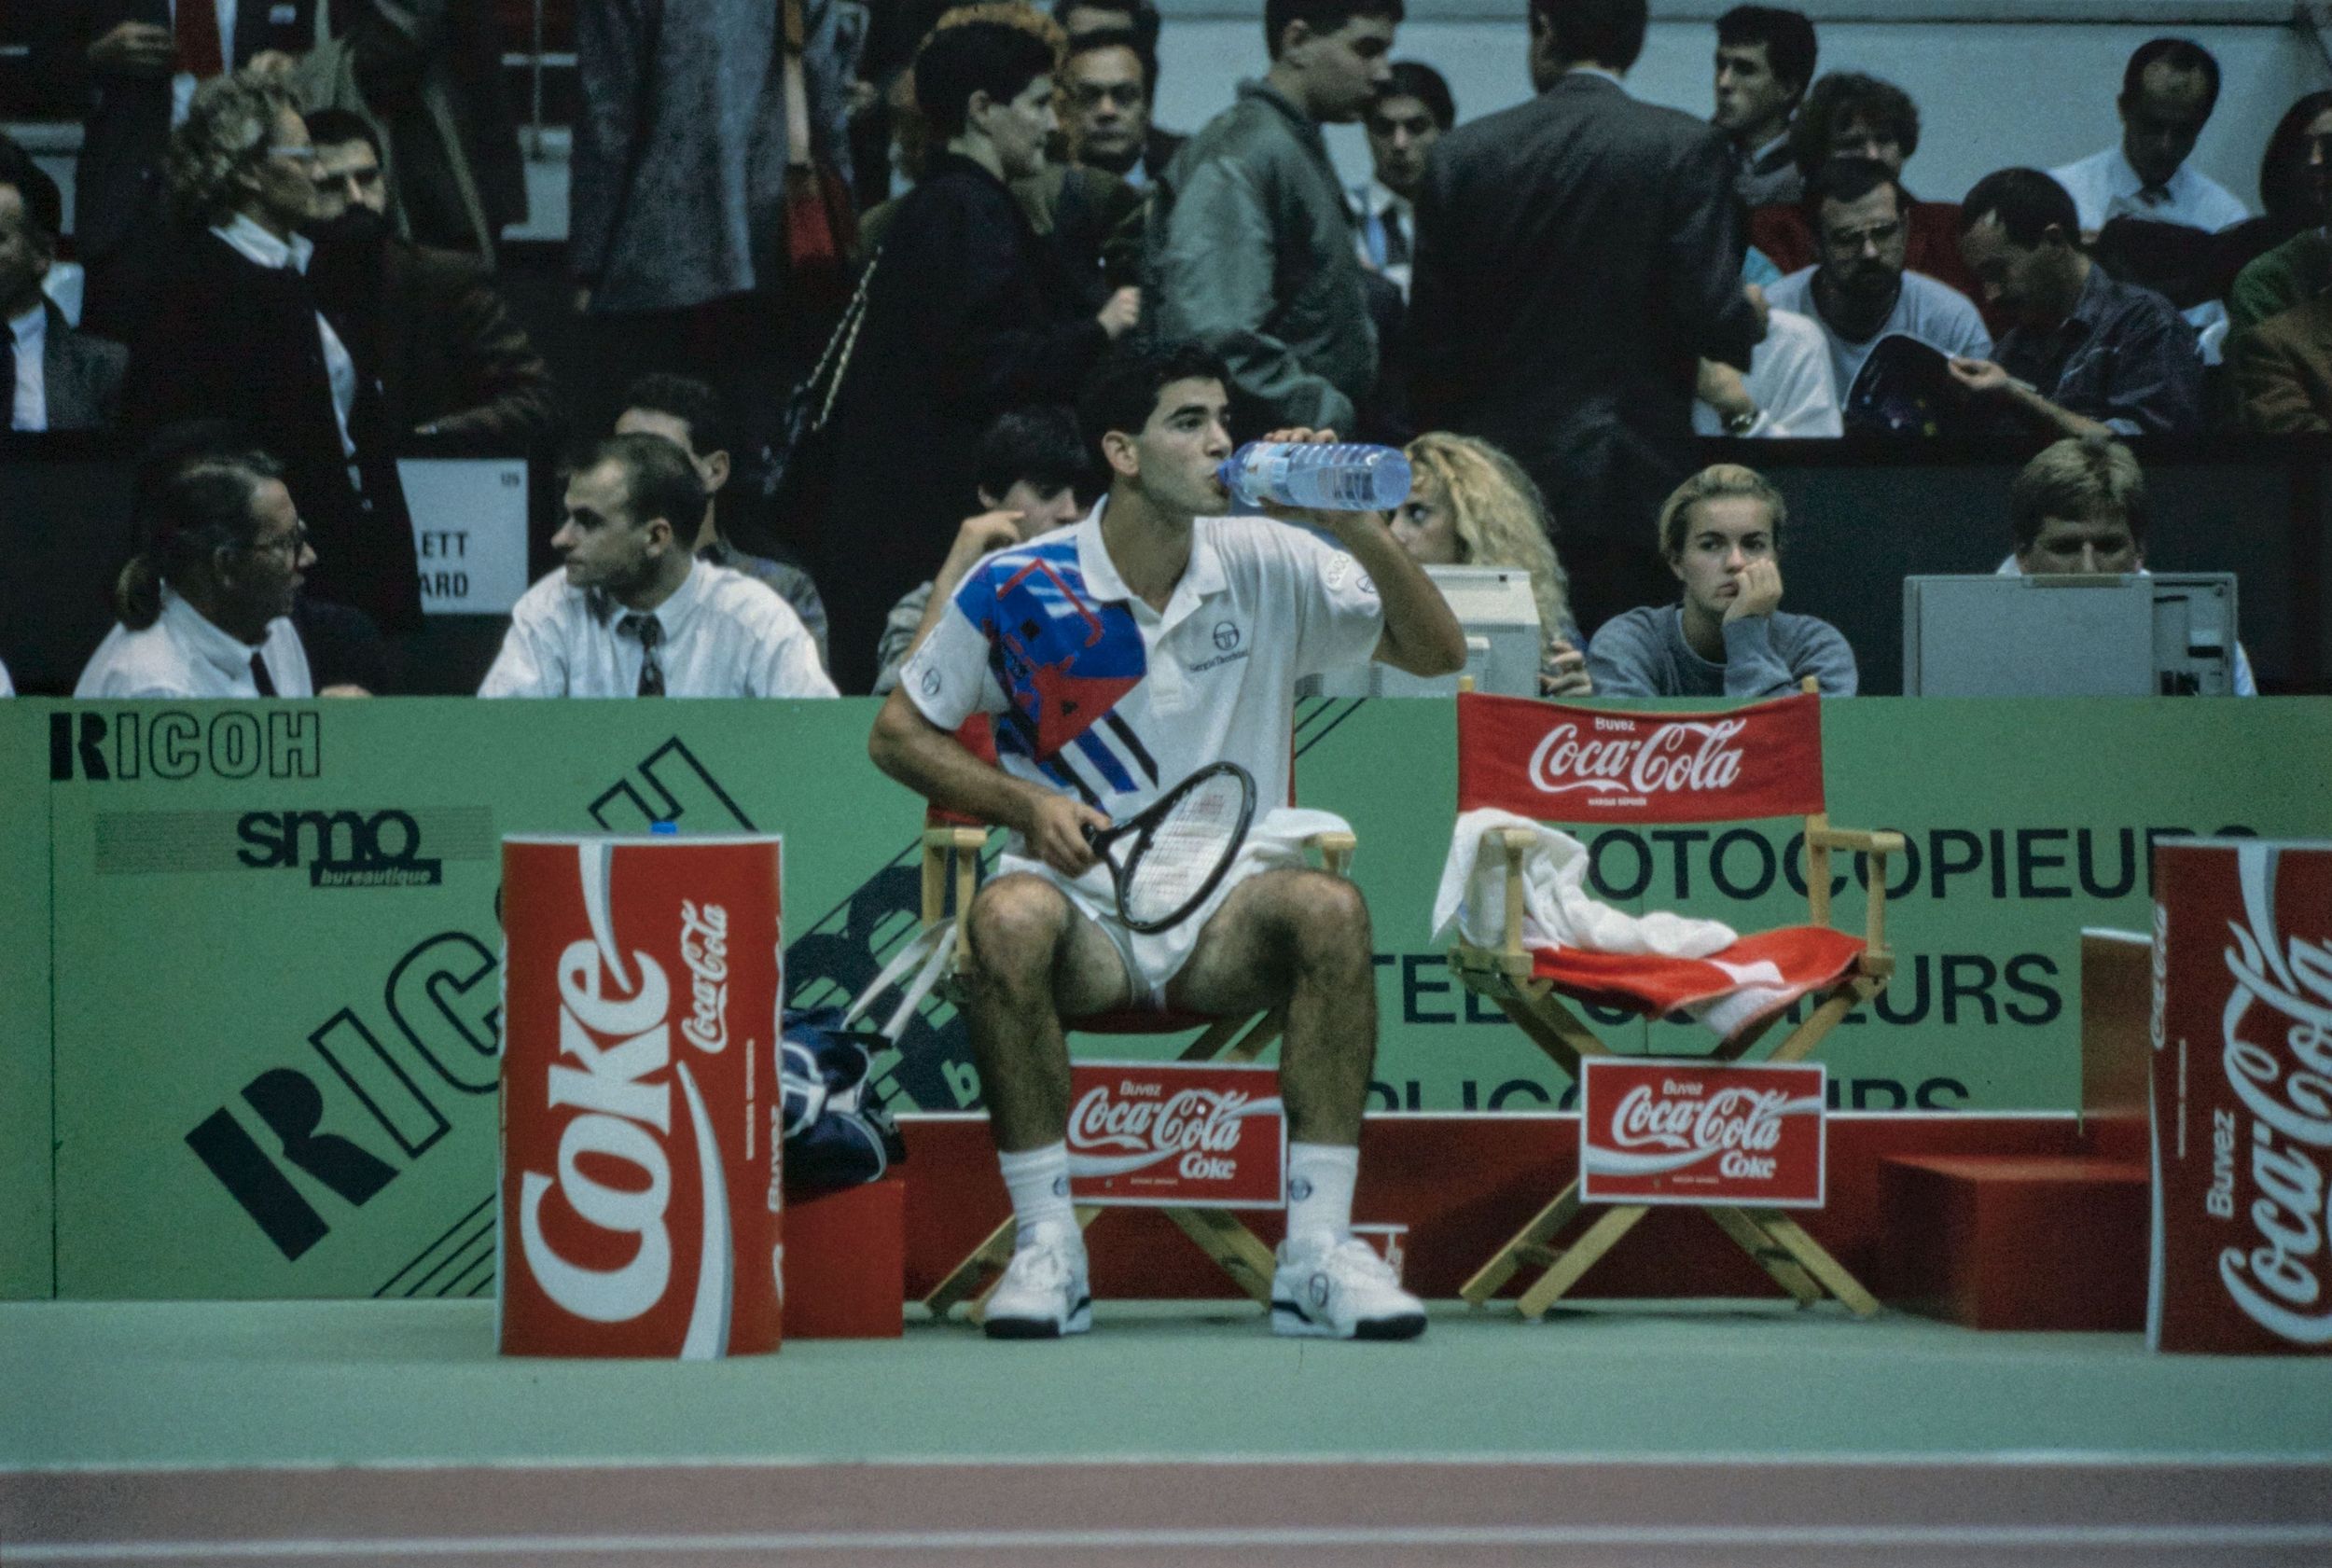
{"x":1779,"y":1245}
{"x":949,"y":879}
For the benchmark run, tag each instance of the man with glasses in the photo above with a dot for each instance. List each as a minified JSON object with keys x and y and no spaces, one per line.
{"x":1860,"y":291}
{"x":426,"y":324}
{"x":204,"y":606}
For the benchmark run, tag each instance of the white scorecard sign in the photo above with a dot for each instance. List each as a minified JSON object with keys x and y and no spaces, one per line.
{"x":469,"y":528}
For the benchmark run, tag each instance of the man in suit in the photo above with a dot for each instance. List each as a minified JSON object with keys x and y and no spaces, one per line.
{"x":425,"y":324}
{"x":54,"y":376}
{"x":130,"y":68}
{"x":235,"y":327}
{"x":1575,"y":257}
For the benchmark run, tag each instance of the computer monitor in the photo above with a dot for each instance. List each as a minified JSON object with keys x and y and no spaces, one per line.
{"x":1500,"y":615}
{"x":2171,"y":633}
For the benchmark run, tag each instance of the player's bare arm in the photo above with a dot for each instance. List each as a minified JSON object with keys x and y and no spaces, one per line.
{"x":1422,"y":634}
{"x":936,"y":766}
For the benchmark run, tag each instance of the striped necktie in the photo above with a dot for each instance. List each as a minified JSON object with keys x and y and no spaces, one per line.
{"x":260,"y":677}
{"x":650,"y":632}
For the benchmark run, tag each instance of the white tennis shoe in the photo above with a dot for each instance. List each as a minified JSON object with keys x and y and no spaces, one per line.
{"x":1043,"y":1294}
{"x":1341,"y":1291}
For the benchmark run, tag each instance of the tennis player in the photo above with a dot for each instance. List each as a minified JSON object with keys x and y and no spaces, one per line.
{"x":1116,"y":657}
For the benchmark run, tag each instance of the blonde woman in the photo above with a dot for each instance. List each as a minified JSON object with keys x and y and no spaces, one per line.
{"x":1470,"y":506}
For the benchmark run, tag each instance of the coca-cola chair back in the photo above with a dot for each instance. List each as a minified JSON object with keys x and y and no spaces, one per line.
{"x":1553,"y":762}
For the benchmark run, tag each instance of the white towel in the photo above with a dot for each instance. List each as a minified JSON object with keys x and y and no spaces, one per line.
{"x":1557,"y":911}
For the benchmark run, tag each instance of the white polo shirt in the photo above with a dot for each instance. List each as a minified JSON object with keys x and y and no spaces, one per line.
{"x":723,"y":636}
{"x":1095,"y":694}
{"x":183,"y":655}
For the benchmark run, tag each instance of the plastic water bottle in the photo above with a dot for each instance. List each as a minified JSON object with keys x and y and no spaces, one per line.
{"x":1346,"y":477}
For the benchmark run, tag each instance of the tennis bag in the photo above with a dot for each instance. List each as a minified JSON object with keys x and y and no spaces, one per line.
{"x":834,"y":1138}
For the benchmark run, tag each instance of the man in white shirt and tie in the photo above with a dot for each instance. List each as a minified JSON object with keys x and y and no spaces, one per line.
{"x":1407,"y":119}
{"x":634,"y":613}
{"x":203,"y":608}
{"x":2168,"y":92}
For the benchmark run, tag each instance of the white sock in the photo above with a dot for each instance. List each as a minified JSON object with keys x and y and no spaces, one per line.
{"x":1320,"y":1178}
{"x":1038,"y":1181}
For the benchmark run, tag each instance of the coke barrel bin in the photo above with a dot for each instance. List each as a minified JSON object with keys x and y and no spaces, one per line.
{"x":640,"y":1211}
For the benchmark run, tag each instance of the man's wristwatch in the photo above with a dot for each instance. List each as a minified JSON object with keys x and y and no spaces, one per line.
{"x":1741,"y":422}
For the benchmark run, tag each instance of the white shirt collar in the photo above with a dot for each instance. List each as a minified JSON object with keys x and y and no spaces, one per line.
{"x":33,"y":326}
{"x":246,"y":235}
{"x":1377,"y":198}
{"x":673,"y":613}
{"x":2122,"y":179}
{"x":206,"y":641}
{"x":1202,"y":575}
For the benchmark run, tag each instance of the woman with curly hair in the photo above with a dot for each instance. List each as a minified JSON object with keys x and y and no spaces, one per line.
{"x":1470,"y":505}
{"x":235,"y":329}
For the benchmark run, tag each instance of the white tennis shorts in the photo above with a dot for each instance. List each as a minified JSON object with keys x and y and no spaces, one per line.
{"x":1153,"y":959}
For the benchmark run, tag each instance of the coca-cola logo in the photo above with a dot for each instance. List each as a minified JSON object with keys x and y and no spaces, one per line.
{"x":1638,"y":757}
{"x":704,"y":949}
{"x":1650,"y":1134}
{"x":1135,"y":1126}
{"x":2278,"y":1060}
{"x":619,"y":1033}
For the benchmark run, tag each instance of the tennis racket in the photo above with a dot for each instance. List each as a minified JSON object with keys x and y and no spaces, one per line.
{"x":1178,"y":849}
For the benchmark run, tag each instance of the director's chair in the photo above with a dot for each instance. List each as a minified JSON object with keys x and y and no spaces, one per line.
{"x":1511,"y":756}
{"x":953,"y":845}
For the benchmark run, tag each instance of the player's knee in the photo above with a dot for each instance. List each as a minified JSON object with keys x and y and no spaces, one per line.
{"x":1015,"y":927}
{"x":1327,"y":914}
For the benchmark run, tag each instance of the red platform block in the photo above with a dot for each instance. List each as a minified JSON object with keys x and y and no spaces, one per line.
{"x":2004,"y":1241}
{"x":846,"y":1262}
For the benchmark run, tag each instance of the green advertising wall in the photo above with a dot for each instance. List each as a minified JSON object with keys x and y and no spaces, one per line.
{"x":270,"y":933}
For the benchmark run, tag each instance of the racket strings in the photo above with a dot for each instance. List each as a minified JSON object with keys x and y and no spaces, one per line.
{"x":1177,"y":856}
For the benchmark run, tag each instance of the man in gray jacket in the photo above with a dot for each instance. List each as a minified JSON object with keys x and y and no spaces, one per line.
{"x":1251,"y":247}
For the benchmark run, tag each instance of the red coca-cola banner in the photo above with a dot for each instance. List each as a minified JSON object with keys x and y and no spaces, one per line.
{"x":1685,"y":1132}
{"x":640,"y":1105}
{"x":1177,"y":1132}
{"x":1562,"y":764}
{"x":2242,"y":1097}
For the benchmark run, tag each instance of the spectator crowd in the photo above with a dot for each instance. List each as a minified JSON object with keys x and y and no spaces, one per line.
{"x":812,"y":405}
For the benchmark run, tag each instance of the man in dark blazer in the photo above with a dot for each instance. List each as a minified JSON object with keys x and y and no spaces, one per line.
{"x":236,"y":329}
{"x":426,"y":324}
{"x":1575,"y":257}
{"x":54,"y":378}
{"x":128,"y":67}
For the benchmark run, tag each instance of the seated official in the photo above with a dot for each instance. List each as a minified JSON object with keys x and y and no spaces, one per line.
{"x":634,"y":613}
{"x":1860,"y":290}
{"x":54,"y":376}
{"x":1721,"y":531}
{"x":204,"y":605}
{"x":1034,"y":476}
{"x":347,"y":656}
{"x":2087,"y":355}
{"x":688,"y":412}
{"x":1471,"y":505}
{"x":2079,"y":510}
{"x":428,"y":324}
